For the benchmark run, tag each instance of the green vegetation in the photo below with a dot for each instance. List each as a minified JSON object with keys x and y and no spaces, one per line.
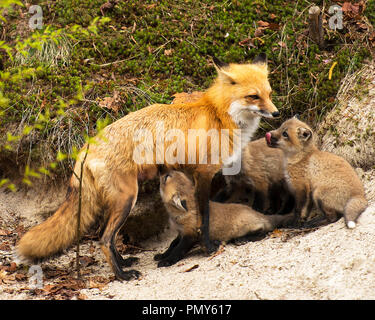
{"x":152,"y":49}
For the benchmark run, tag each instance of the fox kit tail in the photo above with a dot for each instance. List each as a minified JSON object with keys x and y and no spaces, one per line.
{"x":353,"y":210}
{"x":60,"y":230}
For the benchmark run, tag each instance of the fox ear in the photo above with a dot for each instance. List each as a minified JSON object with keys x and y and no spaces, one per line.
{"x":260,"y":59}
{"x":219,"y":64}
{"x":178,"y":203}
{"x":304,"y":134}
{"x":226,"y":77}
{"x":297,"y":116}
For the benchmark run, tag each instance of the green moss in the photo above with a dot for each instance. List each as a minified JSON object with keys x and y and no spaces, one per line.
{"x":163,"y":47}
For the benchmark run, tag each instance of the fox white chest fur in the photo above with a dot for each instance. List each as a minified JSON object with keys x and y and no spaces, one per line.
{"x":248,"y":121}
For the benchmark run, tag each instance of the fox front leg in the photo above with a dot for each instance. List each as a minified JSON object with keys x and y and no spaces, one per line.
{"x":174,"y":243}
{"x":178,"y":251}
{"x":202,"y":192}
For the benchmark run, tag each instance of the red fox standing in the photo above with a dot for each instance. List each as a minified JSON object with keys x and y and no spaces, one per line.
{"x":238,"y":98}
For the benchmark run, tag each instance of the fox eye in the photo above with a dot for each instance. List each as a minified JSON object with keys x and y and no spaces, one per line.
{"x":253,"y":96}
{"x":285,"y":134}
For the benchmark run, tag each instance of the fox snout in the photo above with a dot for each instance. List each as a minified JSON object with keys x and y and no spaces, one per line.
{"x":271,"y":140}
{"x":269,"y":110}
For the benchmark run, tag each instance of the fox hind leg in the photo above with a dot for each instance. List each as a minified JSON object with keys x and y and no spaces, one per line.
{"x":123,"y":200}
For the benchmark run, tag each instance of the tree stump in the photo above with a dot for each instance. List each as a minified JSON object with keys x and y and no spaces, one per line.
{"x":316,"y":30}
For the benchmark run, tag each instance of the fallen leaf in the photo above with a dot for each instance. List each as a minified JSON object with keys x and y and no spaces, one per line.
{"x":5,"y":246}
{"x":150,"y":6}
{"x":86,"y":261}
{"x":276,"y":233}
{"x":245,"y":41}
{"x":12,"y":267}
{"x":168,"y":52}
{"x":6,"y":278}
{"x":273,"y":16}
{"x":82,"y":296}
{"x":20,"y":276}
{"x":112,"y":103}
{"x":263,"y":24}
{"x":98,"y":282}
{"x":5,"y":232}
{"x":353,"y":10}
{"x":274,"y":26}
{"x":192,"y":268}
{"x":258,"y":32}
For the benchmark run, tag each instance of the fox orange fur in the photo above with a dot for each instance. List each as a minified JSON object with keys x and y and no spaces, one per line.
{"x":238,"y":98}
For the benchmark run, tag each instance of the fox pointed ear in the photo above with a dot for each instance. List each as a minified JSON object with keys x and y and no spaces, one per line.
{"x":178,"y":203}
{"x":219,"y":64}
{"x":297,"y":116}
{"x":260,"y":59}
{"x":304,"y":134}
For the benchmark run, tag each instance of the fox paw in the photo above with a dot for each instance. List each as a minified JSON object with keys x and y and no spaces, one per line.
{"x":165,"y":263}
{"x":211,"y":246}
{"x":129,"y":262}
{"x":128,"y":275}
{"x":158,"y":257}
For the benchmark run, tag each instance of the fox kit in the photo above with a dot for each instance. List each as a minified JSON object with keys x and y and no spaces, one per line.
{"x":261,"y":176}
{"x":228,"y":220}
{"x":238,"y":98}
{"x":316,"y":177}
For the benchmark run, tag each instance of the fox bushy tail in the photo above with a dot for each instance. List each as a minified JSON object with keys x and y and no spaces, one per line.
{"x":59,"y":231}
{"x":353,"y":210}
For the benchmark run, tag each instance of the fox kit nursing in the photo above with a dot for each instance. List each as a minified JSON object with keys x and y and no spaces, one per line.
{"x":316,"y":177}
{"x":261,"y":177}
{"x":238,"y":98}
{"x":228,"y":220}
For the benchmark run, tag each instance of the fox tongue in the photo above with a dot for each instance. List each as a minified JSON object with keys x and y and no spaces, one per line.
{"x":268,"y":137}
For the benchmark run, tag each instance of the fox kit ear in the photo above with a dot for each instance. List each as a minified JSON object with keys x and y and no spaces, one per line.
{"x":260,"y":59}
{"x":178,"y":203}
{"x":304,"y":134}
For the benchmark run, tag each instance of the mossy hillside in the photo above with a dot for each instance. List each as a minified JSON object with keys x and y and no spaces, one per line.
{"x":153,"y":49}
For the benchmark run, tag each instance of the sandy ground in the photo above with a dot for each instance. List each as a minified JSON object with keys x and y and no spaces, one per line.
{"x":329,"y":263}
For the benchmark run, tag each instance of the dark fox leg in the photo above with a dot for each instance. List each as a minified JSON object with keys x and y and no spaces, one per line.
{"x":178,"y":251}
{"x":128,"y":262}
{"x":122,"y":203}
{"x":161,"y":256}
{"x":223,"y":194}
{"x":202,"y":191}
{"x":259,"y":202}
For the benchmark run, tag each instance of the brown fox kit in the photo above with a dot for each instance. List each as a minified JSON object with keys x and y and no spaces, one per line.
{"x":238,"y":98}
{"x":316,"y":177}
{"x":227,"y":221}
{"x":261,"y":177}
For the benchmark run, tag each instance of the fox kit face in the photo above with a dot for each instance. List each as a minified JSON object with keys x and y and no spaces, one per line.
{"x":174,"y":189}
{"x":292,"y":137}
{"x":249,"y":88}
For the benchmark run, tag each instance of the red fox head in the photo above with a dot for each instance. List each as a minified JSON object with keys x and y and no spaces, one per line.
{"x":245,"y":89}
{"x":292,"y":137}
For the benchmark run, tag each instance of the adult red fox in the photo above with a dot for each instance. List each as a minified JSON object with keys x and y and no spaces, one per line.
{"x":132,"y":149}
{"x":316,"y":177}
